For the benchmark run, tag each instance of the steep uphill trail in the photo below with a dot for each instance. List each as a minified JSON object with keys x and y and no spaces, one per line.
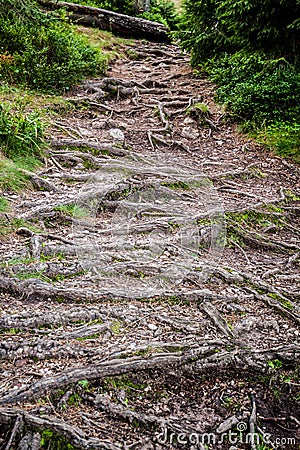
{"x":113,"y":349}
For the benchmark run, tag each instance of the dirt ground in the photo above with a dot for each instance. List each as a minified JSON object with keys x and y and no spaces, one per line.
{"x":150,"y":296}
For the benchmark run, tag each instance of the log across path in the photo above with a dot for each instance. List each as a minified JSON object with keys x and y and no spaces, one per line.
{"x":120,"y":24}
{"x":149,"y":288}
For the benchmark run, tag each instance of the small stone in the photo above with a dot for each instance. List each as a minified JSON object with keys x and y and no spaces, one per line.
{"x":189,"y":133}
{"x":80,"y":166}
{"x":117,"y":135}
{"x":152,"y":327}
{"x":188,"y":121}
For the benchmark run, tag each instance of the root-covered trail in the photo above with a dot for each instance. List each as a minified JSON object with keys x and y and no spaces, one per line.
{"x":150,"y":294}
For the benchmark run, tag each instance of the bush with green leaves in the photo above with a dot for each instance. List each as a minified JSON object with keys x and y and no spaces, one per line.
{"x":211,"y":27}
{"x":250,"y":49}
{"x":255,"y":88}
{"x":41,"y":50}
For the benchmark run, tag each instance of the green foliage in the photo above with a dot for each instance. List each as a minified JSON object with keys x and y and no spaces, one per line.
{"x":256,"y":88}
{"x":3,"y":205}
{"x":250,"y":49}
{"x":51,"y":441}
{"x":163,"y":11}
{"x":52,"y":58}
{"x":21,"y":134}
{"x":199,"y":30}
{"x":120,"y":6}
{"x":211,"y":27}
{"x":12,"y":178}
{"x":22,"y":145}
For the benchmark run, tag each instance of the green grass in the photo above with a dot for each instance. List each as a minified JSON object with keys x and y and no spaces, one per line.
{"x":11,"y":226}
{"x":281,"y":137}
{"x":111,"y":47}
{"x":72,"y":210}
{"x":4,"y":205}
{"x":21,"y":132}
{"x":12,"y":178}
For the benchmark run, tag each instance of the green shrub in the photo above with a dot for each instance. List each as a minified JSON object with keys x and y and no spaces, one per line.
{"x":42,"y":51}
{"x":211,"y":27}
{"x":256,"y":88}
{"x":250,"y":49}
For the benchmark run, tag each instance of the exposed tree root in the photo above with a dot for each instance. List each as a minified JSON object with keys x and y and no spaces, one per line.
{"x":73,"y":434}
{"x":201,"y":360}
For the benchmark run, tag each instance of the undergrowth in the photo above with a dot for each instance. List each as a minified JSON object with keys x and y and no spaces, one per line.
{"x":22,"y":145}
{"x":52,"y":58}
{"x":251,"y":51}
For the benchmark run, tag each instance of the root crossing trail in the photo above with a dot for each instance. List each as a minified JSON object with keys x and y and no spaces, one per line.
{"x":150,"y":296}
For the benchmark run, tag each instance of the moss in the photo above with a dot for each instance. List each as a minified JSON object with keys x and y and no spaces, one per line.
{"x":254,"y":218}
{"x":91,"y":336}
{"x":4,"y":205}
{"x":176,"y":185}
{"x":11,"y":226}
{"x":116,"y":327}
{"x":72,"y":210}
{"x":51,"y":441}
{"x":282,"y":300}
{"x":12,"y":330}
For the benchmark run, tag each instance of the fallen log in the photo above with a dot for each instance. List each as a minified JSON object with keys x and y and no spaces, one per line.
{"x":108,"y":20}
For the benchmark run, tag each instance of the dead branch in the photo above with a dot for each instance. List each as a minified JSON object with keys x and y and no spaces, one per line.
{"x":218,"y":320}
{"x":115,"y":151}
{"x":114,"y":22}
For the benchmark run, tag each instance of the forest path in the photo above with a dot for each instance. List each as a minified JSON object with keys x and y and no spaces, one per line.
{"x":153,"y":330}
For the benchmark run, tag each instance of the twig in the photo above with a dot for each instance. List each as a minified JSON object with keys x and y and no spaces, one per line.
{"x":17,"y":425}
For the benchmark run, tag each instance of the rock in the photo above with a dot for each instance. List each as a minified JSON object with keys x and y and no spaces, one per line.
{"x":189,"y":133}
{"x":188,"y":121}
{"x":227,"y":424}
{"x":117,"y":135}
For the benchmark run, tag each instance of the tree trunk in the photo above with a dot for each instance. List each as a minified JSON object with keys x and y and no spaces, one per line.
{"x":116,"y":23}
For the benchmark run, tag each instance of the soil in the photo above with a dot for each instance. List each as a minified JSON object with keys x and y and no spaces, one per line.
{"x":106,"y":348}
